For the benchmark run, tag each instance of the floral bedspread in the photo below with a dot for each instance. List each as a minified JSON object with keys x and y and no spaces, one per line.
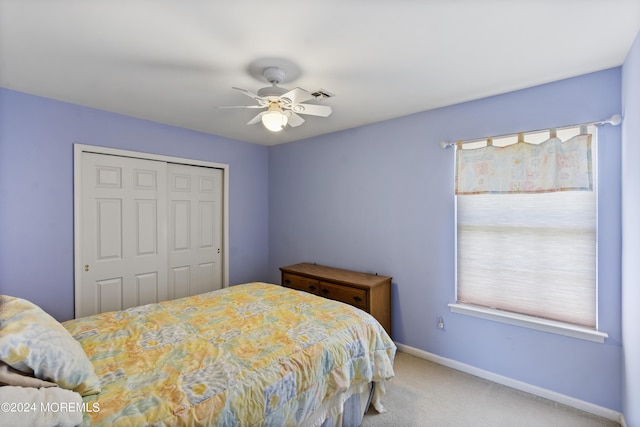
{"x":251,"y":355}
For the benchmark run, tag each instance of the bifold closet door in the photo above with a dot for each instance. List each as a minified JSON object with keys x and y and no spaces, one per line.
{"x":195,"y":229}
{"x":123,"y":233}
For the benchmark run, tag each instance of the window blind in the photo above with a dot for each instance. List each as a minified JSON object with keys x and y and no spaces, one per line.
{"x":533,"y":254}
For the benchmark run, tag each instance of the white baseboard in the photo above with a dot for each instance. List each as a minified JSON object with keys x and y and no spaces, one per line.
{"x":518,"y":385}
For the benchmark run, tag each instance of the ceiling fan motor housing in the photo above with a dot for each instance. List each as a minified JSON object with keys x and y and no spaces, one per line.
{"x":274,"y":75}
{"x":272,"y":91}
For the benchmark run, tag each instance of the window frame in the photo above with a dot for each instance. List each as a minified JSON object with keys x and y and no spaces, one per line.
{"x":527,"y":321}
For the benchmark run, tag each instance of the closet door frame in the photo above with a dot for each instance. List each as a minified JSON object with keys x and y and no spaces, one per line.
{"x":78,"y":149}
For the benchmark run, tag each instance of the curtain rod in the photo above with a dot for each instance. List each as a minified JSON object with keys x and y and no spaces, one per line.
{"x":614,"y":120}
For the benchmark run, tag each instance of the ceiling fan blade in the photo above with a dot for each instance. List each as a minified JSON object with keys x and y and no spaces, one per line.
{"x":249,"y":94}
{"x":256,"y":119}
{"x":241,"y":106}
{"x":295,"y":96}
{"x":293,"y":119}
{"x":312,"y":109}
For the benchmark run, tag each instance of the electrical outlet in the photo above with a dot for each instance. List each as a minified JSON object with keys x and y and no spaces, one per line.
{"x":440,"y":323}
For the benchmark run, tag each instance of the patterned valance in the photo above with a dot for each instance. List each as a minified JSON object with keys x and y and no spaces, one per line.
{"x":552,"y":165}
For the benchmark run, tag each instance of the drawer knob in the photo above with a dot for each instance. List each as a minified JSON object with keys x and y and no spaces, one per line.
{"x":357,"y":298}
{"x":325,"y":291}
{"x":287,"y":281}
{"x":313,"y":288}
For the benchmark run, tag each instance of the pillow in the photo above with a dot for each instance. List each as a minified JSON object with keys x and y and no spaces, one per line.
{"x":40,"y":407}
{"x":33,"y":342}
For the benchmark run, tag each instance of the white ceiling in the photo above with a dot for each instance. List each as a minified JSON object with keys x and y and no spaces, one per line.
{"x":175,"y":62}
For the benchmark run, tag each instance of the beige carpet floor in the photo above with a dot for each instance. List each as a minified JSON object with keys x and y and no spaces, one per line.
{"x":424,"y":393}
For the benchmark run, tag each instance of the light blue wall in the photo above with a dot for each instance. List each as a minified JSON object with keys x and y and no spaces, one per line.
{"x":379,"y":198}
{"x":36,"y":191}
{"x":631,"y":236}
{"x":376,"y":198}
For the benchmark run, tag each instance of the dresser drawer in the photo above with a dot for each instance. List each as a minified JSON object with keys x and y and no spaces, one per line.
{"x":352,"y":296}
{"x":301,"y":283}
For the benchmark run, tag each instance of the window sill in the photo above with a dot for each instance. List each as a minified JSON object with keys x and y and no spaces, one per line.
{"x":530,"y":322}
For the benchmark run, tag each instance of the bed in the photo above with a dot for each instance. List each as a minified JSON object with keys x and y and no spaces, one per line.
{"x":255,"y":354}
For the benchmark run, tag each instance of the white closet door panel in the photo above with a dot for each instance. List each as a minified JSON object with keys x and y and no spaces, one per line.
{"x":146,"y":227}
{"x":180,"y":277}
{"x":123,"y":232}
{"x":109,"y":229}
{"x":108,"y":176}
{"x":109,"y":294}
{"x":181,"y":225}
{"x":145,"y":179}
{"x":206,"y":276}
{"x":195,"y":218}
{"x":207,"y":184}
{"x":180,"y":182}
{"x":147,"y":288}
{"x":207,"y":223}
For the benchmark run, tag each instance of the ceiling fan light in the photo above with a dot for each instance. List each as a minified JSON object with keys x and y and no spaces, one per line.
{"x":274,"y":120}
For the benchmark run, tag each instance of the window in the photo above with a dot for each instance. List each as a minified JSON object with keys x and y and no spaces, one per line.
{"x":530,"y":258}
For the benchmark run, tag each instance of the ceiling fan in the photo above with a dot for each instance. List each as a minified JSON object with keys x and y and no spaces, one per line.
{"x":283,"y":106}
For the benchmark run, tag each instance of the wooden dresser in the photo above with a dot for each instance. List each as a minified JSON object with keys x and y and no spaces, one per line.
{"x":368,"y":292}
